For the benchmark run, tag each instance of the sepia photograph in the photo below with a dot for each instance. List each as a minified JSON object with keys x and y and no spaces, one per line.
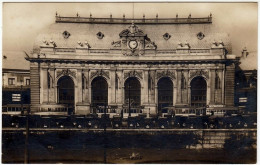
{"x":126,"y":83}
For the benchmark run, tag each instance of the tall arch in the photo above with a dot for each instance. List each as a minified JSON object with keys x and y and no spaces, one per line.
{"x":99,"y":91}
{"x":133,"y":90}
{"x":198,"y":92}
{"x":66,"y":92}
{"x":165,"y":93}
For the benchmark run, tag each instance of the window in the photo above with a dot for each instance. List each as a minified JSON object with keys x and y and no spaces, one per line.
{"x":11,"y":81}
{"x":16,"y":97}
{"x":27,"y":81}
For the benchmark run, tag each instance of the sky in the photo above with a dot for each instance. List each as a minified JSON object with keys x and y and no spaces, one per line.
{"x":23,"y":21}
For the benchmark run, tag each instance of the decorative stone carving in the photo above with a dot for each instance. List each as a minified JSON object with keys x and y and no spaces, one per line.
{"x":150,"y":81}
{"x":166,"y":36}
{"x":220,"y":44}
{"x":133,"y":30}
{"x":66,"y":34}
{"x":165,"y":73}
{"x":194,"y":73}
{"x":185,"y":45}
{"x":84,"y":45}
{"x":200,"y":35}
{"x":99,"y":73}
{"x":53,"y":43}
{"x":116,"y":43}
{"x":45,"y":42}
{"x":133,"y":74}
{"x":134,"y":41}
{"x":84,"y":81}
{"x":214,"y":44}
{"x":66,"y":72}
{"x":149,"y":44}
{"x":50,"y":80}
{"x":100,"y":35}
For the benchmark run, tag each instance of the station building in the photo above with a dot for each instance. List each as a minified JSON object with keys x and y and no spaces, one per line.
{"x":80,"y":64}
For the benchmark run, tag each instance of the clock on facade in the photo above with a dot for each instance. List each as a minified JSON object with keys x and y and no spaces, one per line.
{"x":133,"y":44}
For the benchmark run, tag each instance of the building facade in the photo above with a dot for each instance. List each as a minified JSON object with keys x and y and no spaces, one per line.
{"x":15,"y":90}
{"x":79,"y":64}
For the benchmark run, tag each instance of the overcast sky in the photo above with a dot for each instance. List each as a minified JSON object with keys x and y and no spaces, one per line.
{"x":23,"y":21}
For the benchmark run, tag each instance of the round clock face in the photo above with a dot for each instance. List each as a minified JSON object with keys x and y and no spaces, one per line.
{"x":133,"y":44}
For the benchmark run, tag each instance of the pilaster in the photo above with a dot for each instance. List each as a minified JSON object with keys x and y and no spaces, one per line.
{"x":212,"y":86}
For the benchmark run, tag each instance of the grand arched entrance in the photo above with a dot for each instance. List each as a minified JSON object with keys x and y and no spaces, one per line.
{"x":99,"y":92}
{"x":198,"y":92}
{"x":65,"y":88}
{"x":165,"y":94}
{"x":133,"y":90}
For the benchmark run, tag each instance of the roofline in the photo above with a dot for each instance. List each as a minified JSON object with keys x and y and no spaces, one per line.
{"x":39,"y":60}
{"x":91,"y":20}
{"x":15,"y":70}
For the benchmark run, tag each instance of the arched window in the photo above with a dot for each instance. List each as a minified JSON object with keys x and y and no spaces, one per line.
{"x":198,"y":92}
{"x":99,"y":91}
{"x":165,"y":94}
{"x":66,"y":90}
{"x":133,"y":91}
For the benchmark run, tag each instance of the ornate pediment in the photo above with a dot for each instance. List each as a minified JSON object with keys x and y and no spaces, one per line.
{"x":66,"y":72}
{"x":133,"y":42}
{"x":194,"y":73}
{"x":133,"y":30}
{"x":165,"y":73}
{"x":133,"y":74}
{"x":99,"y":73}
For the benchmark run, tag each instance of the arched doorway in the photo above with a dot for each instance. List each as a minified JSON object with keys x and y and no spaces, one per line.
{"x":198,"y":92}
{"x":66,"y":92}
{"x":99,"y":92}
{"x":133,"y":90}
{"x":165,"y":94}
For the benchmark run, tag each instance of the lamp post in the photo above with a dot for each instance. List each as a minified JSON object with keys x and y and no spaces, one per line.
{"x":105,"y":134}
{"x":26,"y":151}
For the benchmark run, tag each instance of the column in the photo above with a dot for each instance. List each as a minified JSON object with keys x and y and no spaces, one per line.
{"x":52,"y":96}
{"x":156,"y":97}
{"x":44,"y":86}
{"x":86,"y":86}
{"x":178,"y":87}
{"x":89,"y":88}
{"x":144,"y":89}
{"x":79,"y":91}
{"x":212,"y":86}
{"x":223,"y":86}
{"x":208,"y":96}
{"x":120,"y":91}
{"x":112,"y":90}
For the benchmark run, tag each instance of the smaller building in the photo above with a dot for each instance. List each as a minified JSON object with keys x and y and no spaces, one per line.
{"x":15,"y":83}
{"x":246,"y":83}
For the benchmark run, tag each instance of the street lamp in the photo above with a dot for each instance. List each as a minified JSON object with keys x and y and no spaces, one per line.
{"x":26,"y":151}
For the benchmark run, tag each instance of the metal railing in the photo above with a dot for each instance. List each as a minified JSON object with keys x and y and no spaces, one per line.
{"x":136,"y":21}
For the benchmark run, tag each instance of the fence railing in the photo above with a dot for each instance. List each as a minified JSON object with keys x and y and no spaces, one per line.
{"x":136,"y":21}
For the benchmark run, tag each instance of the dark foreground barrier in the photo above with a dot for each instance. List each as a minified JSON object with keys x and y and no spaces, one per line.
{"x":131,"y":145}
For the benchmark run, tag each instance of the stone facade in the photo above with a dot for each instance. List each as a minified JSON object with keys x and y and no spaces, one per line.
{"x":133,"y":53}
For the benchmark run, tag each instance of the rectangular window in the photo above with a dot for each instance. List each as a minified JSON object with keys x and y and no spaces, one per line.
{"x":243,"y":99}
{"x":11,"y":81}
{"x":16,"y":97}
{"x":27,"y":81}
